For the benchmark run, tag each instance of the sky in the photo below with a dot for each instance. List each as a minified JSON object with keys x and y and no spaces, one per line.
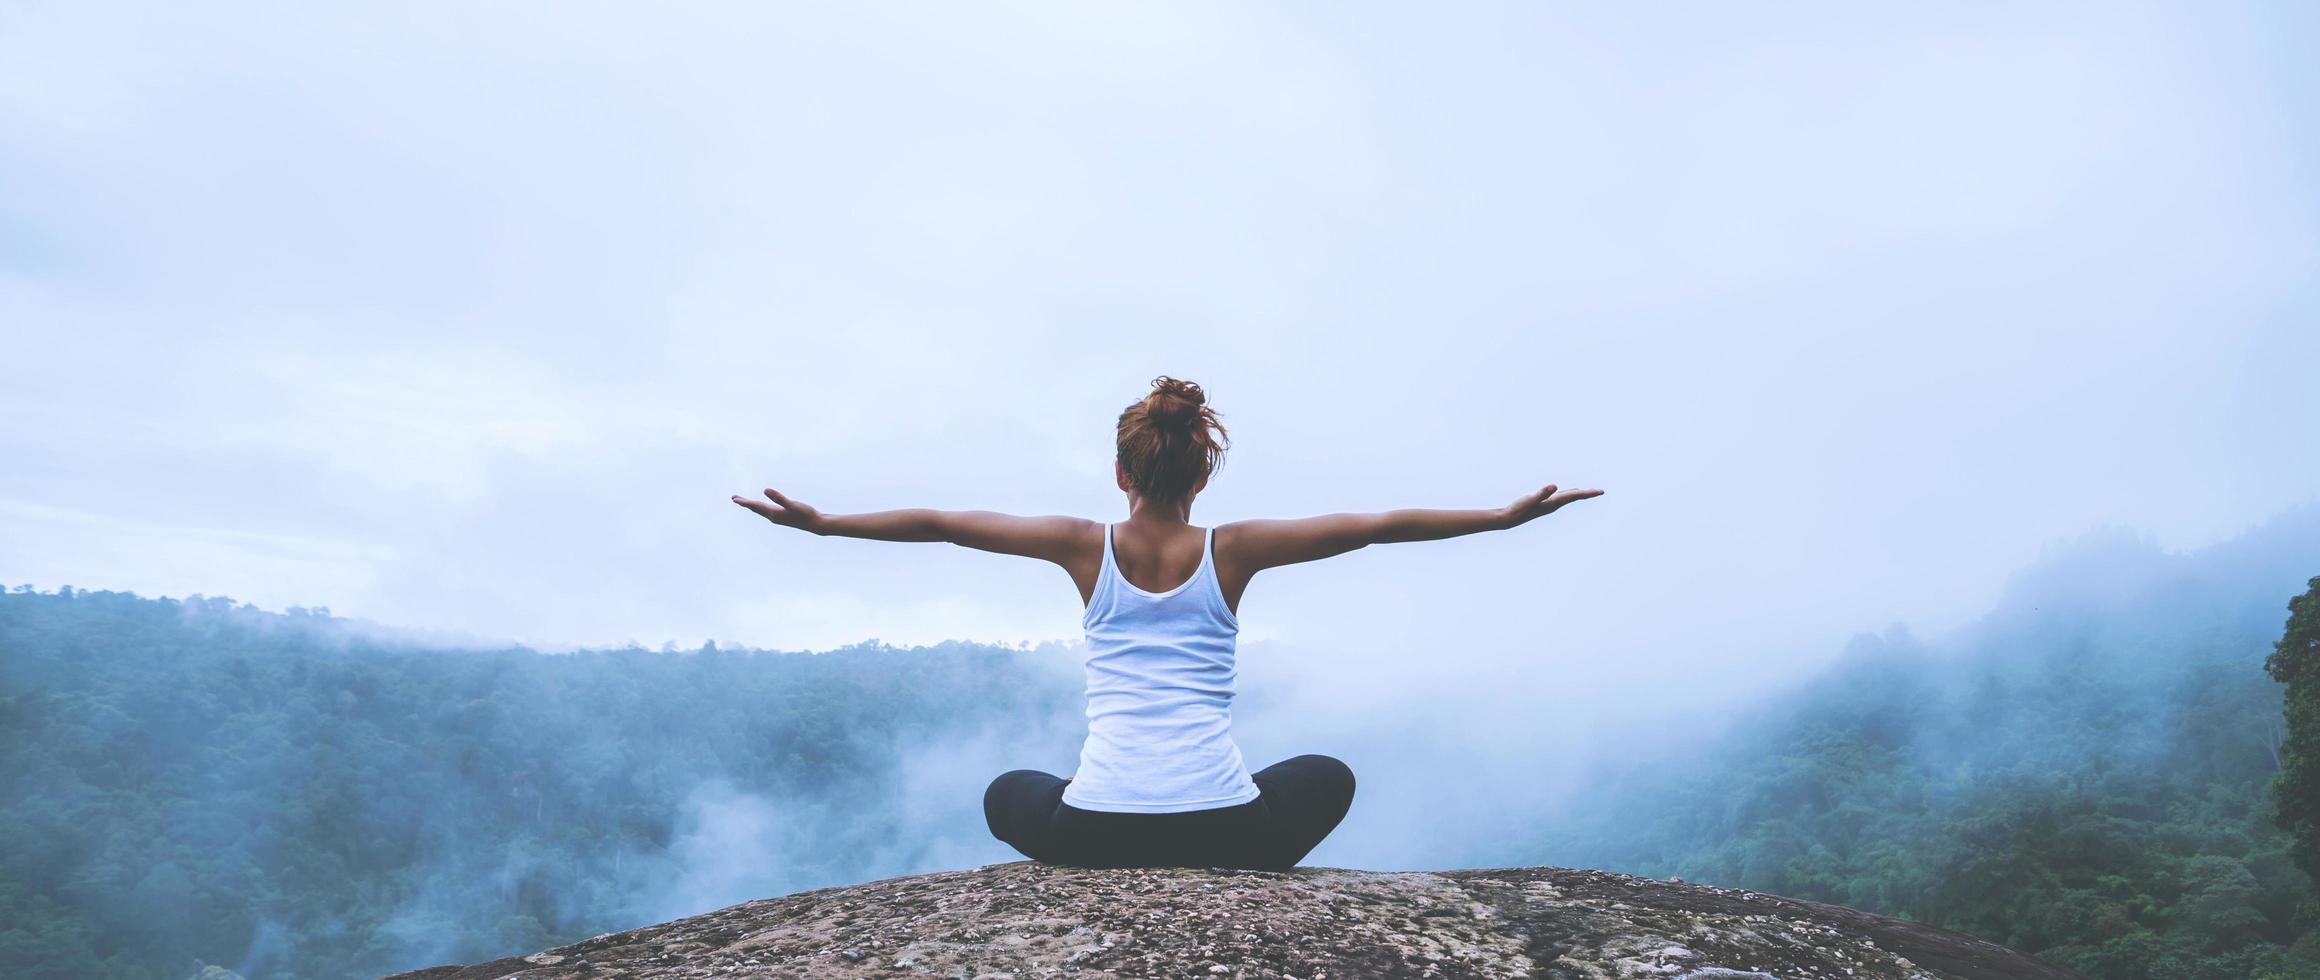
{"x":470,"y":318}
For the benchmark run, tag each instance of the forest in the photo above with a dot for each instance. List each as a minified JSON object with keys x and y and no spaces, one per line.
{"x":195,"y":782}
{"x":2084,"y":773}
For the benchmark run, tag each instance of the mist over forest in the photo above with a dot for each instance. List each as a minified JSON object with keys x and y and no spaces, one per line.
{"x":2081,"y":774}
{"x":464,"y":320}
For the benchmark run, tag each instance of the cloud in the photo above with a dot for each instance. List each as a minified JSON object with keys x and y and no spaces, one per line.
{"x":472,"y":319}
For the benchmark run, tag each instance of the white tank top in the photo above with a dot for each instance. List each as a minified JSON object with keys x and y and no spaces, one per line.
{"x":1159,"y":696}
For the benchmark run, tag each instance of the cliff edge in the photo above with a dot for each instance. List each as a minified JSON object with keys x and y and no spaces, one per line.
{"x":1022,"y":920}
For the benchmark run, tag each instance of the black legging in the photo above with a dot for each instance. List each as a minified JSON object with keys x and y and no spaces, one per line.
{"x":1300,"y":802}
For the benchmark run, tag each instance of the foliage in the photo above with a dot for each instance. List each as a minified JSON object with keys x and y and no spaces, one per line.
{"x":190,"y":782}
{"x":2085,"y":774}
{"x":2294,"y":662}
{"x":2082,"y":776}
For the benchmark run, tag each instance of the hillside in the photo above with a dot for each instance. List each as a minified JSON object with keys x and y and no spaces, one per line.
{"x":2081,"y":776}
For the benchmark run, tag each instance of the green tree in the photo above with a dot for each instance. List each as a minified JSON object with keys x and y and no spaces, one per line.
{"x":2295,"y":661}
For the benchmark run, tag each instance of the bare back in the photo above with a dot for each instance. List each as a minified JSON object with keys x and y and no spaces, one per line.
{"x":1156,"y":558}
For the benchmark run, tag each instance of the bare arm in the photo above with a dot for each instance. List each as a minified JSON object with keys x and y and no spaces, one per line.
{"x":1056,"y":539}
{"x":1258,"y":545}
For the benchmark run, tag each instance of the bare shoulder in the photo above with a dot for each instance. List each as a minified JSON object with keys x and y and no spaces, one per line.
{"x":1054,"y":537}
{"x":1254,"y":545}
{"x":1075,"y":526}
{"x":1077,"y":535}
{"x":1247,"y":543}
{"x":1237,"y":535}
{"x":1254,"y":527}
{"x":1079,"y":548}
{"x":1076,"y":543}
{"x":1266,"y":531}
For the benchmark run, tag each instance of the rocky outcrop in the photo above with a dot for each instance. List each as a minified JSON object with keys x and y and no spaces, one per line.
{"x":1023,"y":920}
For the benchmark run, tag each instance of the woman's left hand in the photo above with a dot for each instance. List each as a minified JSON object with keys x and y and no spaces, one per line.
{"x":782,"y":511}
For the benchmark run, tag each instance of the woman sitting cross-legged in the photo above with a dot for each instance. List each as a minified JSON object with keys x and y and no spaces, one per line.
{"x":1160,"y":782}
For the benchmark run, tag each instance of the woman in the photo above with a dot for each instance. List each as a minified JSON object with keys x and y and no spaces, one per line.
{"x":1160,"y":782}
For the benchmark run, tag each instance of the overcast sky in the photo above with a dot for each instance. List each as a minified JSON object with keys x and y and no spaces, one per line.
{"x":471,"y":317}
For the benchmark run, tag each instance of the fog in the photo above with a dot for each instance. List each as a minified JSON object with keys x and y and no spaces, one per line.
{"x":470,"y":320}
{"x":354,"y":799}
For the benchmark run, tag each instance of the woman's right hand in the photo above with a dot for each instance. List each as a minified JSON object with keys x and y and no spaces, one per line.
{"x":1546,"y":500}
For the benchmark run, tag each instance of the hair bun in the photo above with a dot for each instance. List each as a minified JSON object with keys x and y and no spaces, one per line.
{"x":1174,"y":400}
{"x":1170,"y":440}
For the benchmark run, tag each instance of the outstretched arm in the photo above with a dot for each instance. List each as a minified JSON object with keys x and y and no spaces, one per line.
{"x":1050,"y":538}
{"x":1258,"y":545}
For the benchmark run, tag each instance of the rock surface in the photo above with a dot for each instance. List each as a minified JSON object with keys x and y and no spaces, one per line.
{"x":1022,"y":920}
